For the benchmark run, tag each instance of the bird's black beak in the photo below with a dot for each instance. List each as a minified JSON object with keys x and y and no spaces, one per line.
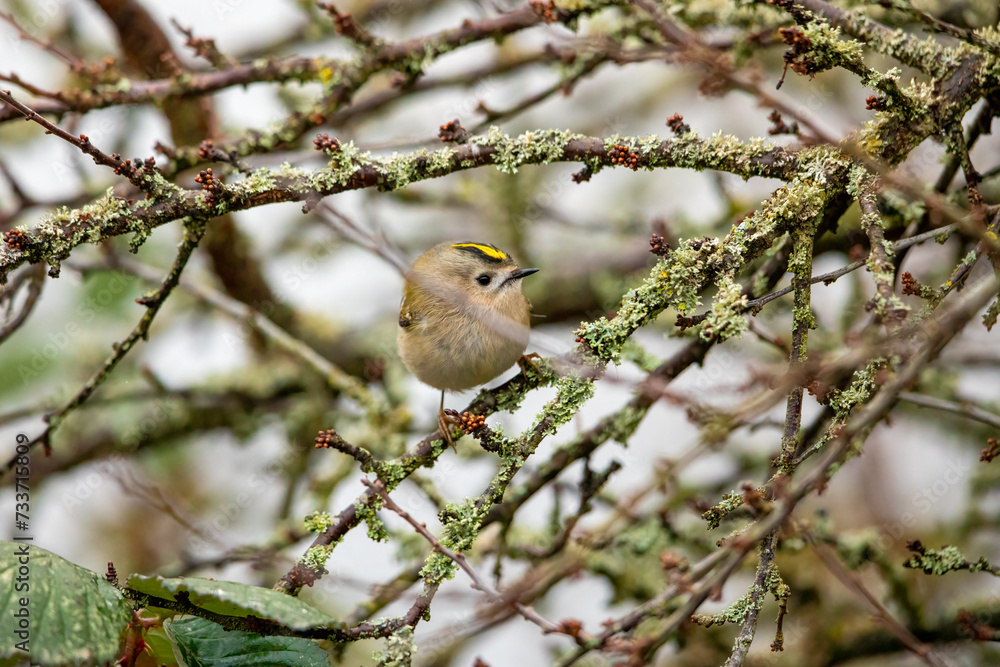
{"x":521,"y":273}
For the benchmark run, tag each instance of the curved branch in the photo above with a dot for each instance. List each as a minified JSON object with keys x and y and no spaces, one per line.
{"x":53,"y":241}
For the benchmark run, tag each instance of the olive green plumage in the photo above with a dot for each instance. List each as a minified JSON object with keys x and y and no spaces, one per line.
{"x":463,"y":318}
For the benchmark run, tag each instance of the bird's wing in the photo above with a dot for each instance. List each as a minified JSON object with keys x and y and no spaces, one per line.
{"x":407,"y":315}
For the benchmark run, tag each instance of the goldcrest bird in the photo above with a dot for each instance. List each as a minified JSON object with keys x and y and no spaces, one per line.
{"x":463,"y":319}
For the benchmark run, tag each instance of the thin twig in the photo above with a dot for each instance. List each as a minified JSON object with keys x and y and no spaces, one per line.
{"x":193,"y":232}
{"x":755,"y":305}
{"x":478,"y":582}
{"x":564,"y":85}
{"x":133,"y":172}
{"x":963,"y":34}
{"x":45,"y":45}
{"x":759,"y":588}
{"x":881,"y":268}
{"x":336,"y":378}
{"x":802,"y":321}
{"x":854,"y":584}
{"x":35,"y":277}
{"x":375,"y":242}
{"x":717,"y":63}
{"x":967,"y":410}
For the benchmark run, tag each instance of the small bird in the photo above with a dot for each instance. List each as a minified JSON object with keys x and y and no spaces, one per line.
{"x":463,"y":319}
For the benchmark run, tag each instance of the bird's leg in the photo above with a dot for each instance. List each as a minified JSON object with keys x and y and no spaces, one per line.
{"x":527,"y":360}
{"x":445,"y":421}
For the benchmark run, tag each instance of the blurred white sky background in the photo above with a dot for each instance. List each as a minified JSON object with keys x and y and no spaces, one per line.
{"x":73,"y":515}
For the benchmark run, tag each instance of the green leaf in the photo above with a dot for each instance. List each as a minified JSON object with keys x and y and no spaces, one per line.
{"x":201,"y":643}
{"x":75,"y":617}
{"x":231,"y":599}
{"x":161,"y":648}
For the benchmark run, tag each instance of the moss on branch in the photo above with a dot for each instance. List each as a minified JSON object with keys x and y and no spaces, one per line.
{"x":60,"y":232}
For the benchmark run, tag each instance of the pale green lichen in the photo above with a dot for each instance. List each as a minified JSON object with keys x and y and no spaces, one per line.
{"x":393,"y":472}
{"x":752,"y":600}
{"x":317,"y":522}
{"x":870,"y":139}
{"x":367,"y":511}
{"x":922,"y":95}
{"x":670,"y":283}
{"x":640,"y":356}
{"x":398,"y":649}
{"x":263,"y":179}
{"x":678,"y":279}
{"x":776,"y":585}
{"x":62,"y":229}
{"x":882,"y":271}
{"x":437,"y":568}
{"x":864,"y":383}
{"x":928,"y":54}
{"x":827,"y":48}
{"x":726,"y":320}
{"x":948,"y":559}
{"x":858,"y":178}
{"x":315,"y":558}
{"x":538,"y":374}
{"x":729,"y":502}
{"x":399,"y":170}
{"x":462,"y":521}
{"x":734,"y":613}
{"x":538,"y":147}
{"x":461,"y":525}
{"x":343,"y":165}
{"x":571,"y":393}
{"x":720,"y":151}
{"x":494,"y":441}
{"x":441,"y":161}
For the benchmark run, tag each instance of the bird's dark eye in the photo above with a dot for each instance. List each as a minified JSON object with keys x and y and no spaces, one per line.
{"x":483,"y":279}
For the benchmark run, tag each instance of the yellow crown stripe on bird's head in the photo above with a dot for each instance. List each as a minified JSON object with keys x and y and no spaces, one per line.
{"x":487,"y":250}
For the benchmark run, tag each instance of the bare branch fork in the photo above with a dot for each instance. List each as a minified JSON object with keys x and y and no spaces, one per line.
{"x":478,"y":582}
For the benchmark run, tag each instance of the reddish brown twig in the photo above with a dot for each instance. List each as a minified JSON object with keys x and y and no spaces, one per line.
{"x":135,"y":173}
